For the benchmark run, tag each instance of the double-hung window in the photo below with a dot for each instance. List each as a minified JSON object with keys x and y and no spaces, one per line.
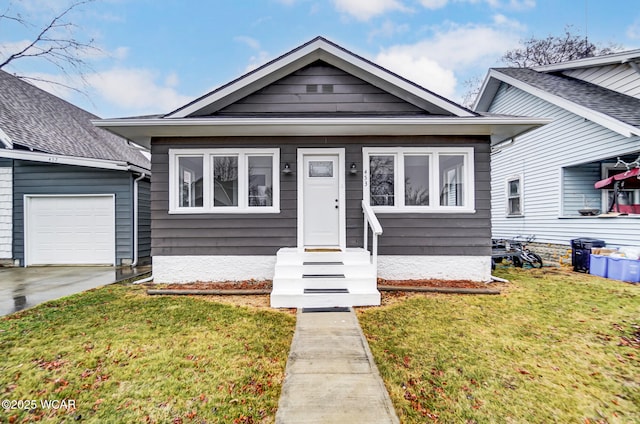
{"x":419,"y":179}
{"x":514,"y":196}
{"x":224,"y":181}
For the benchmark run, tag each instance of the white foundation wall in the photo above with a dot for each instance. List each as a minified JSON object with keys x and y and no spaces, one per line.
{"x":187,"y":269}
{"x":6,"y":212}
{"x":474,"y":268}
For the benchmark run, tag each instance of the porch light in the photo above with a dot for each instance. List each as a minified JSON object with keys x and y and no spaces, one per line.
{"x":353,"y":169}
{"x":287,"y":169}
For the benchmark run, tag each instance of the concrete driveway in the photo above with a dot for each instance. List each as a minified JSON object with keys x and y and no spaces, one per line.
{"x":22,"y":288}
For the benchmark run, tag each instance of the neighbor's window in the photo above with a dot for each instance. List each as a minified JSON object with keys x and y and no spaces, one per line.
{"x":404,"y":179}
{"x":224,"y":180}
{"x":514,"y":196}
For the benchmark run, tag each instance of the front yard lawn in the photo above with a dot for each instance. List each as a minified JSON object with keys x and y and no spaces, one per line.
{"x":556,"y":346}
{"x":115,"y":354}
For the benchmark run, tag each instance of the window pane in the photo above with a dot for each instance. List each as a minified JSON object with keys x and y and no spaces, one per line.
{"x":451,"y":180}
{"x":260,"y":181}
{"x":382,"y":180}
{"x":190,"y":182}
{"x":514,"y":188}
{"x":514,"y":206}
{"x":225,"y":181}
{"x":416,"y":180}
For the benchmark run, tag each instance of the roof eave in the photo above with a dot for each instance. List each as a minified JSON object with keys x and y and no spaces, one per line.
{"x":498,"y":128}
{"x":610,"y":59}
{"x":486,"y":98}
{"x":72,"y":160}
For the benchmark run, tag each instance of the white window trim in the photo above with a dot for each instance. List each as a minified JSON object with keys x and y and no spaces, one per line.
{"x":434,"y":183}
{"x":516,"y":177}
{"x":207,"y":189}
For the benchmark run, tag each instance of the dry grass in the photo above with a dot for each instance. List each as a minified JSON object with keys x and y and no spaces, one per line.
{"x":554,"y":347}
{"x":123,"y":356}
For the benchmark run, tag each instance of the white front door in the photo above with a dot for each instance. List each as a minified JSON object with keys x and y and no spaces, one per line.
{"x":322,"y":199}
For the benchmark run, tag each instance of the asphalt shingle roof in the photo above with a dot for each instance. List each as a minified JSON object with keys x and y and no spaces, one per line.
{"x":617,"y":105}
{"x":43,"y":122}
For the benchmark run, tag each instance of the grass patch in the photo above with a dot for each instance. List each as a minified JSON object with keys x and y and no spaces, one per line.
{"x":556,"y":346}
{"x":123,"y":356}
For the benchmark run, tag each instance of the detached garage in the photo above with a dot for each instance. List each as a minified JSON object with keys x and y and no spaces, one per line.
{"x":62,"y":230}
{"x":70,"y":193}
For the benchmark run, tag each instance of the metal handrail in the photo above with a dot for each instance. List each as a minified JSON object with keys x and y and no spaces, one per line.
{"x":371,"y":221}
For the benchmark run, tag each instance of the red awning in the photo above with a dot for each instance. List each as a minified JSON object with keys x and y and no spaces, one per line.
{"x":632,"y":175}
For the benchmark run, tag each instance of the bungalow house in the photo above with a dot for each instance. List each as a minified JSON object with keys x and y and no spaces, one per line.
{"x":70,"y":193}
{"x":320,"y":170}
{"x":544,"y":182}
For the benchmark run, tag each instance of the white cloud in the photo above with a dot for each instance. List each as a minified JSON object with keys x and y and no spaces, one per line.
{"x":451,"y":53}
{"x":137,"y":90}
{"x":388,"y":29}
{"x":434,"y":4}
{"x":512,"y":4}
{"x":363,"y":10}
{"x":633,"y":30}
{"x":419,"y":69}
{"x":251,"y":42}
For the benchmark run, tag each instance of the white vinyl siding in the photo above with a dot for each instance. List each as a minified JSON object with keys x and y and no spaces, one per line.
{"x":540,"y":156}
{"x":224,"y":181}
{"x":6,"y":212}
{"x":394,"y":180}
{"x":621,"y":78}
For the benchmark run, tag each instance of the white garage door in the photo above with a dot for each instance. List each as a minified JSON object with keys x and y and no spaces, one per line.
{"x":70,"y":230}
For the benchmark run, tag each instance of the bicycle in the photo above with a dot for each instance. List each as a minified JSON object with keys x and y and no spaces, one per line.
{"x":517,"y":251}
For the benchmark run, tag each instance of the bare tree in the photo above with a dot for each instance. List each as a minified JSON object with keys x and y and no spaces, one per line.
{"x":55,"y":42}
{"x":554,"y":49}
{"x":542,"y":51}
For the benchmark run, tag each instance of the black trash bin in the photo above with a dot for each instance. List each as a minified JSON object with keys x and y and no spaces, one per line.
{"x":580,"y":251}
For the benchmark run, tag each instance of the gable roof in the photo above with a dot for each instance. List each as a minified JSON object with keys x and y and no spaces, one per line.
{"x":613,"y":110}
{"x":324,"y":50}
{"x":32,"y":120}
{"x":199,"y":117}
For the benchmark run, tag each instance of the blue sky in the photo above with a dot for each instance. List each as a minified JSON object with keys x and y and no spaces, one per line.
{"x":159,"y":54}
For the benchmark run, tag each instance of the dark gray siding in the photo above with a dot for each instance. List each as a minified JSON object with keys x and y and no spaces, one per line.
{"x":320,"y":88}
{"x":144,"y":219}
{"x":264,"y":234}
{"x":39,"y":178}
{"x":5,"y":163}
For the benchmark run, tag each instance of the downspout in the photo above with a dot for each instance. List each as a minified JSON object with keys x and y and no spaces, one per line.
{"x":135,"y":220}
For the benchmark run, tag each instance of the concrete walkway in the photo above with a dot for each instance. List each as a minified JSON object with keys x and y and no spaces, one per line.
{"x":330,"y":374}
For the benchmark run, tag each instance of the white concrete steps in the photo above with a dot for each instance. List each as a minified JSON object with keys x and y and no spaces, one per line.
{"x":324,"y":279}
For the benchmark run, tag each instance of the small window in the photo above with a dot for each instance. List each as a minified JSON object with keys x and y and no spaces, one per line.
{"x":225,"y":181}
{"x":382,"y":180}
{"x":190,"y":171}
{"x":416,"y":180}
{"x":260,"y":181}
{"x":514,"y":196}
{"x":451,"y":180}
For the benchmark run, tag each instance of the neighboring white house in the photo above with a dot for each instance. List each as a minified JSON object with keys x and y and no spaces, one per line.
{"x":542,"y":179}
